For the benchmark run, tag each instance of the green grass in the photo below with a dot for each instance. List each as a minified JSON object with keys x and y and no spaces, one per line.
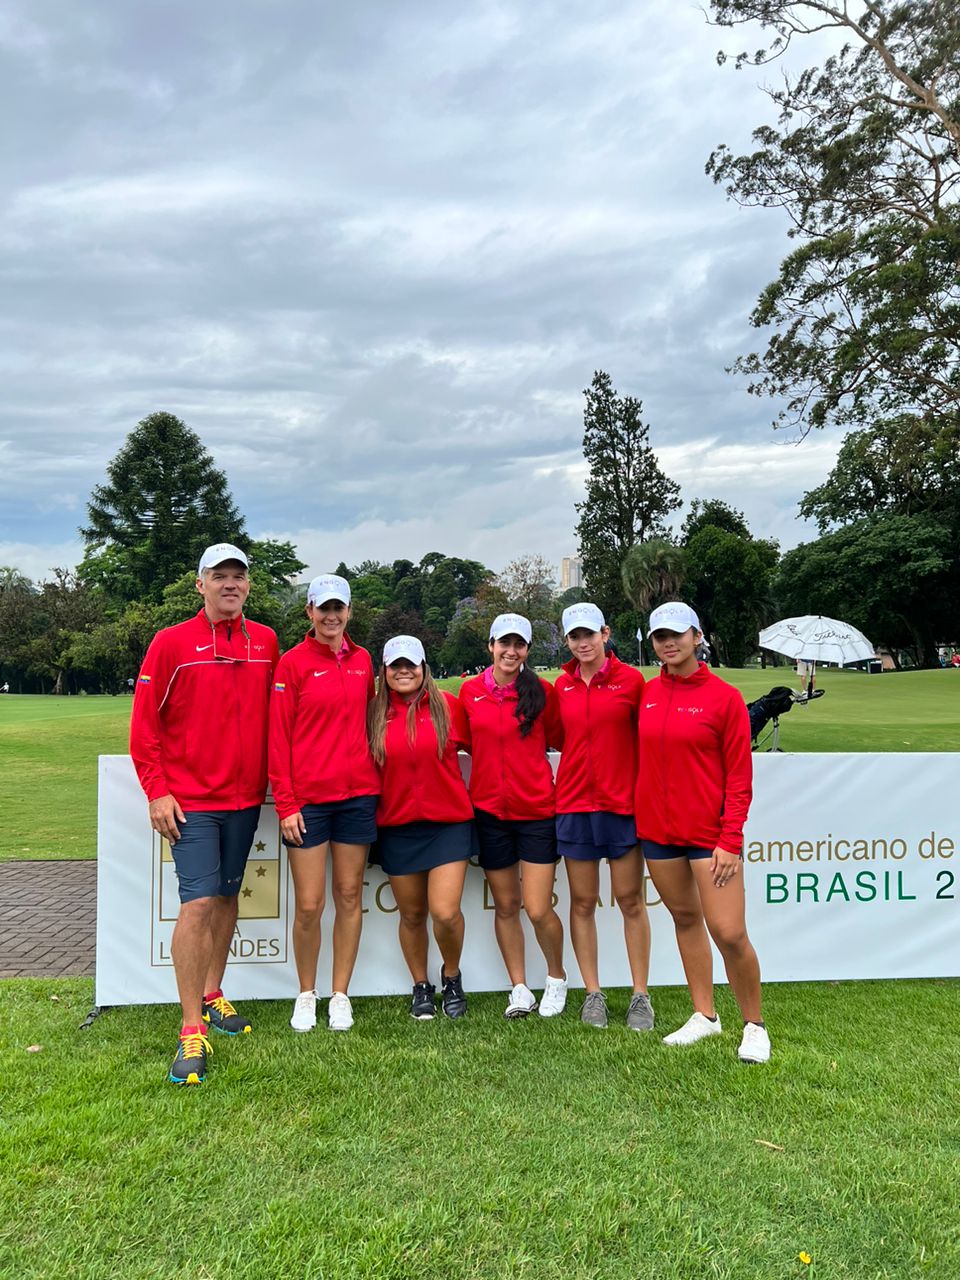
{"x":49,"y":746}
{"x":532,"y":1150}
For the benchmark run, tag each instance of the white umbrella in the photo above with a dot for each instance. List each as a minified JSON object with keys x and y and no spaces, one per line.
{"x":817,"y":639}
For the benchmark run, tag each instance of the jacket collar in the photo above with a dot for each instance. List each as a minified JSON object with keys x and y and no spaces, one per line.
{"x":698,"y":677}
{"x":201,"y":617}
{"x":347,"y":649}
{"x":611,"y":666}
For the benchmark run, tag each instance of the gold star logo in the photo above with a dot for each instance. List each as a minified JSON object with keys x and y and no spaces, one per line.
{"x":248,"y":893}
{"x":260,"y":846}
{"x":261,"y":871}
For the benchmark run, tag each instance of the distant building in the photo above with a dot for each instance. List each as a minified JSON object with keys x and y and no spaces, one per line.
{"x":571,"y":573}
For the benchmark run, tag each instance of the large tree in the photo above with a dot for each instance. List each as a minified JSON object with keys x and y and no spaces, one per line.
{"x":865,"y":160}
{"x":162,"y":503}
{"x":894,"y":495}
{"x":893,"y":576}
{"x":628,"y":495}
{"x":902,"y":466}
{"x":728,"y":579}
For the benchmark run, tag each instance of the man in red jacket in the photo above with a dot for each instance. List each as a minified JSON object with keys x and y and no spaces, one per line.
{"x":198,"y":738}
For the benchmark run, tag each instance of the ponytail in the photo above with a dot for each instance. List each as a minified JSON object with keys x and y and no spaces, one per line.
{"x":531,"y":699}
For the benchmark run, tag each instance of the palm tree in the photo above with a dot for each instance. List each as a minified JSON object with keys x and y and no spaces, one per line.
{"x":653,"y":572}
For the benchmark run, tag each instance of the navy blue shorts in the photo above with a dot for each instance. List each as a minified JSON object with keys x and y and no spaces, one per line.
{"x":588,"y":837}
{"x":211,"y":855}
{"x":654,"y":852}
{"x":352,"y":821}
{"x":504,"y":842}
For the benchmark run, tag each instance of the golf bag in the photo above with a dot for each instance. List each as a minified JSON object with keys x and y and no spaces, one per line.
{"x":771,"y":706}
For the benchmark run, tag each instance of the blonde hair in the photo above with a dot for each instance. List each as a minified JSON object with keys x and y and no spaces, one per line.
{"x":378,"y":713}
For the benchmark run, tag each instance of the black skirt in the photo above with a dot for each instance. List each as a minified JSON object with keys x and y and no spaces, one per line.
{"x":421,"y":846}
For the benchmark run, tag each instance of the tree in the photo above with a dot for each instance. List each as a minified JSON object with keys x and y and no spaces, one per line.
{"x":652,"y":573}
{"x":396,"y":621}
{"x":892,"y":576}
{"x":529,"y":585}
{"x":66,"y":606}
{"x":279,"y":560}
{"x":20,"y":623}
{"x":865,"y":160}
{"x":714,"y":512}
{"x":628,"y":495}
{"x":163,"y":502}
{"x":730,"y":589}
{"x":465,"y":645}
{"x":904,"y":466}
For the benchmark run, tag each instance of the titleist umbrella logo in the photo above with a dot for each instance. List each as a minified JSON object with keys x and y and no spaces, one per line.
{"x":824,"y":633}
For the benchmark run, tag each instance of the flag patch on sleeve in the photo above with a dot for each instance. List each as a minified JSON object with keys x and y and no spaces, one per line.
{"x":279,"y":687}
{"x":144,"y":679}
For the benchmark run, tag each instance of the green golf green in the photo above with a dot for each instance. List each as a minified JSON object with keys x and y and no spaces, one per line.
{"x":49,"y":746}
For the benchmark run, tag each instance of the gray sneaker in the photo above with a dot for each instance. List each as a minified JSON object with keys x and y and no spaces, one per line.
{"x":640,"y":1013}
{"x":594,"y":1009}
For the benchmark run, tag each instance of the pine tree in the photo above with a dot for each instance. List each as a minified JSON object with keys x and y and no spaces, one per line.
{"x":164,"y":502}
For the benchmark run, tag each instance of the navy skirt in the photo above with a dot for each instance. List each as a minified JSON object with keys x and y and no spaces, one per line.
{"x":420,"y":846}
{"x":588,"y":837}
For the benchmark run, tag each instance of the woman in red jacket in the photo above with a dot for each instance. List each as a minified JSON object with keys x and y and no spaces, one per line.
{"x":424,"y":818}
{"x":325,"y":788}
{"x":694,"y":785}
{"x":598,"y":696}
{"x":512,"y":717}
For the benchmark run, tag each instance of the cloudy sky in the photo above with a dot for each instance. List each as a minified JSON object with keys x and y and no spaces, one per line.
{"x":372,"y":254}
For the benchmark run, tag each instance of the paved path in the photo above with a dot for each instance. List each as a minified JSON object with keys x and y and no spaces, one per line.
{"x":48,"y":919}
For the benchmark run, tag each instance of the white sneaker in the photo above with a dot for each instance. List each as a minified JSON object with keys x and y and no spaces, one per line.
{"x":304,"y":1011}
{"x":694,"y":1029}
{"x":339,"y":1012}
{"x":554,"y":998}
{"x":522,"y":1001}
{"x":755,"y":1045}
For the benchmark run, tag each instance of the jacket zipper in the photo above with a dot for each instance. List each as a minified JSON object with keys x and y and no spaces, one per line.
{"x":663,"y":756}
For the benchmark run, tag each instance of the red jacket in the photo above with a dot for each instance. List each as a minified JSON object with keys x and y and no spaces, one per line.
{"x":694,"y":782}
{"x":198,"y":730}
{"x":417,"y":786}
{"x":318,"y":727}
{"x":598,"y":766}
{"x":510,"y":776}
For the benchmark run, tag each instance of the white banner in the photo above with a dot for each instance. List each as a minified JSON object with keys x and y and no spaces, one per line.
{"x":852,"y":870}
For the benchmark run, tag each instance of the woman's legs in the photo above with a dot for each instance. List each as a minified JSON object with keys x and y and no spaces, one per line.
{"x":674,"y":882}
{"x":505,"y":886}
{"x":349,"y":865}
{"x":410,"y":895}
{"x":584,"y":880}
{"x":626,"y":878}
{"x":536,"y":882}
{"x":444,"y":893}
{"x":309,"y":870}
{"x":725,"y":915}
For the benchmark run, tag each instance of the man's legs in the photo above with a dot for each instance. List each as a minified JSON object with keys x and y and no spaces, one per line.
{"x":223,"y":923}
{"x":192,"y":951}
{"x":210,"y":859}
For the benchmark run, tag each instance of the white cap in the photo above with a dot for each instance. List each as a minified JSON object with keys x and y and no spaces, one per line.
{"x":672,"y":616}
{"x":408,"y":647}
{"x":328,"y":586}
{"x":582,"y":615}
{"x":218,"y":553}
{"x":511,"y":624}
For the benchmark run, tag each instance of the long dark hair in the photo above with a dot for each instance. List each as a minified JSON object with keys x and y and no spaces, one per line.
{"x":531,"y":699}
